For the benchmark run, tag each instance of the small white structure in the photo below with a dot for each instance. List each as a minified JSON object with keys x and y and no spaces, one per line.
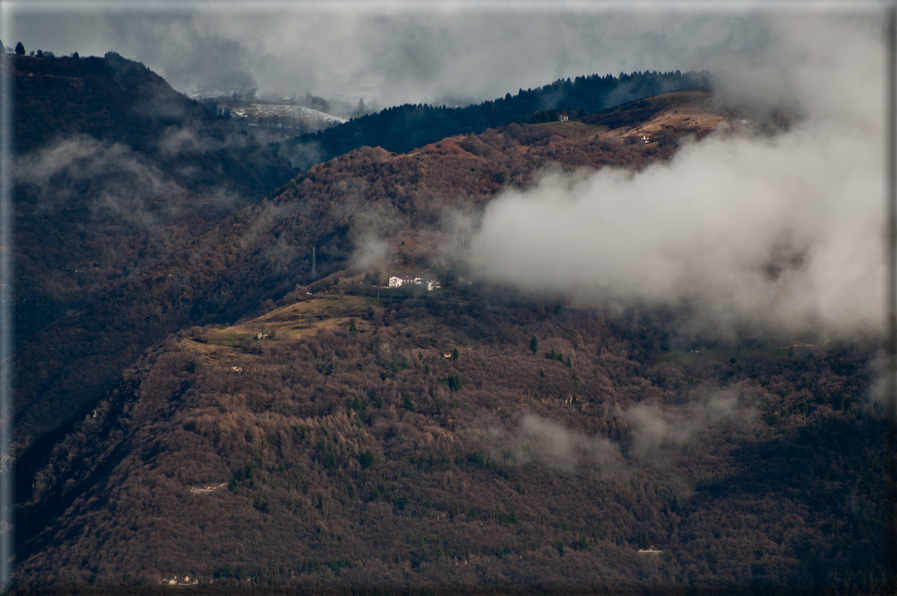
{"x":177,"y":581}
{"x":645,"y":139}
{"x":433,"y":285}
{"x":398,"y":282}
{"x":562,"y":118}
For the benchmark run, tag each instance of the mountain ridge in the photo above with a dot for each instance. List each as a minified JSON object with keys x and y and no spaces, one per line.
{"x":409,"y":126}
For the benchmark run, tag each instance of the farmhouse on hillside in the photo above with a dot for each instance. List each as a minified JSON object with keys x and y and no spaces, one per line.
{"x":399,"y":281}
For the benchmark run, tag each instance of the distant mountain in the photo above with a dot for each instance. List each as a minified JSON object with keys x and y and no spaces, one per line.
{"x":406,"y":127}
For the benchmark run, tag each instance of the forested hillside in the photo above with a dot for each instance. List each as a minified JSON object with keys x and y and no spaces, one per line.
{"x":467,"y":438}
{"x":222,"y":391}
{"x":406,"y":127}
{"x":264,"y":251}
{"x":113,"y":170}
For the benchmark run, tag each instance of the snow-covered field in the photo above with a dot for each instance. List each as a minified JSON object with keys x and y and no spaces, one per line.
{"x":284,"y":116}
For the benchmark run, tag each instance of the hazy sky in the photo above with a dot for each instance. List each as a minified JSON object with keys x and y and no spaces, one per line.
{"x":392,"y":53}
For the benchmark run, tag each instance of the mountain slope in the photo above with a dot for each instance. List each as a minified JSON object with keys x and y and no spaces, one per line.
{"x":346,"y":450}
{"x":407,"y":127}
{"x":114,"y":169}
{"x":115,"y":172}
{"x":263,"y":252}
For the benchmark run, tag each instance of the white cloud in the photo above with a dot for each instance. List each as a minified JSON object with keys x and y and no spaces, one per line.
{"x":394,"y":54}
{"x":546,"y":442}
{"x":782,"y":232}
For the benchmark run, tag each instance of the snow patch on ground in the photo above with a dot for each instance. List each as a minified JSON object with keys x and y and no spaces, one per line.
{"x":277,"y":114}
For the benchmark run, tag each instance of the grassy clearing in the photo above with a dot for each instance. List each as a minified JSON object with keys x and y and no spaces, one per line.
{"x":576,"y":130}
{"x":291,"y":322}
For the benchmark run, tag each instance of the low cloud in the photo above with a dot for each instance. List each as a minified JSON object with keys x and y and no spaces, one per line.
{"x":301,"y":156}
{"x":656,"y":429}
{"x":406,"y":53}
{"x":542,"y":441}
{"x":777,"y":233}
{"x":370,"y":252}
{"x":190,"y":52}
{"x":656,"y":432}
{"x":177,"y":140}
{"x":113,"y":178}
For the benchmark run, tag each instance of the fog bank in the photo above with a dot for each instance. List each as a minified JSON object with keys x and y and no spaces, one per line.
{"x":780,"y":232}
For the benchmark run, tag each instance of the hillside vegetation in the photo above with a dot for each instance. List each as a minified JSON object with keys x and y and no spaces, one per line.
{"x":114,"y":172}
{"x":406,"y":127}
{"x":210,"y":406}
{"x":412,"y":442}
{"x":115,"y":169}
{"x":262,"y":252}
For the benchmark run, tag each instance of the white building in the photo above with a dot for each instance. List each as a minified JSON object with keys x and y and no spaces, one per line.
{"x":398,"y":282}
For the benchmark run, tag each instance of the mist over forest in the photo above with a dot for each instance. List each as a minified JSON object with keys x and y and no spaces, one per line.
{"x":449,"y":300}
